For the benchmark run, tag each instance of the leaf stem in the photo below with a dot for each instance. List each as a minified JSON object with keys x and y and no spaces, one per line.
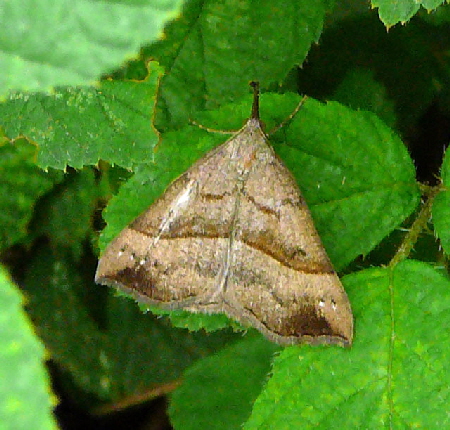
{"x":429,"y":193}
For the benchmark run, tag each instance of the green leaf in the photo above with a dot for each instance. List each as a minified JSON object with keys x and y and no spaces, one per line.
{"x":194,"y":322}
{"x":392,"y":13}
{"x":25,"y":402}
{"x":22,"y":183}
{"x":441,"y":207}
{"x":79,"y":126}
{"x":393,"y":376}
{"x":431,"y":4}
{"x":355,"y":174}
{"x":110,"y":348}
{"x":218,"y":46}
{"x":87,"y":38}
{"x":218,"y":391}
{"x":360,"y":90}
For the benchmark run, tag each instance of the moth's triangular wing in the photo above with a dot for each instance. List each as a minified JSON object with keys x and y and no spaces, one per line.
{"x":281,"y":280}
{"x":174,"y":254}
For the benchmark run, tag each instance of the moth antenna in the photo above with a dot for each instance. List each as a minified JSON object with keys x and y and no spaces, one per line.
{"x":255,"y":107}
{"x":290,"y":117}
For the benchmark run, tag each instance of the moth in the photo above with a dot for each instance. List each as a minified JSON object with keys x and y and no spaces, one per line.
{"x":234,"y":235}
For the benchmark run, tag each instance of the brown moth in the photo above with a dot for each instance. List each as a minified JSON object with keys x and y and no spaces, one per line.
{"x":234,"y":235}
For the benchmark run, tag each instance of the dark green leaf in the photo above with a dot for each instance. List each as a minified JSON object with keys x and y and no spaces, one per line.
{"x":22,"y":183}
